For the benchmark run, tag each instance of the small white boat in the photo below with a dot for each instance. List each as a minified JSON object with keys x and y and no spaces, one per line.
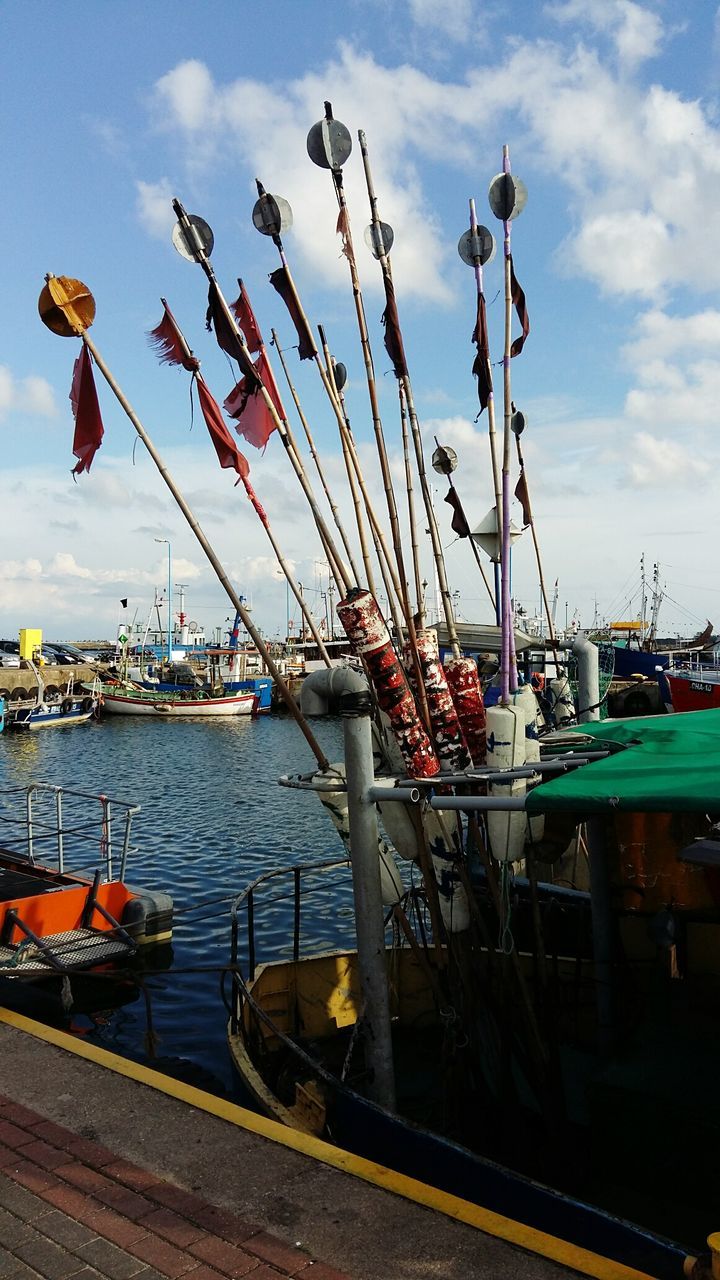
{"x":124,"y":700}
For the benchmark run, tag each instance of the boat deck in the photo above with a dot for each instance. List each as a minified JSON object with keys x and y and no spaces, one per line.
{"x":105,"y":1169}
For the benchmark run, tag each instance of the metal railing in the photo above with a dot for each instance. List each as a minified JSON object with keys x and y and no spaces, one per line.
{"x":57,"y":827}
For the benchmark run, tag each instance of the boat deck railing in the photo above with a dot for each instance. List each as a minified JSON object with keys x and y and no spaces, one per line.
{"x":72,"y":832}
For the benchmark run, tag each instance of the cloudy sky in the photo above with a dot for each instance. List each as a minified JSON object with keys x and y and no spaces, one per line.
{"x":610,"y":111}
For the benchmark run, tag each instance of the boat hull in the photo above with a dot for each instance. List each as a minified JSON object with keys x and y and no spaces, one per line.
{"x":139,"y":704}
{"x":693,"y":691}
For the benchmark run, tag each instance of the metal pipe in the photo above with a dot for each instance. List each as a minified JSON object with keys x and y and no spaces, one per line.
{"x":588,"y":679}
{"x":602,"y":929}
{"x":409,"y":795}
{"x":369,"y":917}
{"x":469,"y":804}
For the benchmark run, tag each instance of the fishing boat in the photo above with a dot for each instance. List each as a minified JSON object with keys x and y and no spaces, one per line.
{"x":123,"y":699}
{"x":65,"y":904}
{"x":48,"y":709}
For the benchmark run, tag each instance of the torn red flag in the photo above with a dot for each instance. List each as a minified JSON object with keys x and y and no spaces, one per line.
{"x":282,"y":284}
{"x":245,"y":317}
{"x":89,"y":428}
{"x":459,"y":523}
{"x":169,"y":344}
{"x":225,"y":447}
{"x":393,"y":336}
{"x":227,"y":338}
{"x":520,"y":305}
{"x":523,"y":497}
{"x":247,"y":405}
{"x":481,"y":364}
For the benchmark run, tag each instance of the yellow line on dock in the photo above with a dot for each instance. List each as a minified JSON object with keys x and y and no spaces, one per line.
{"x":494,"y":1224}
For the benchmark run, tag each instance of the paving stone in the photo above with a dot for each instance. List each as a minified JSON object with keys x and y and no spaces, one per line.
{"x":69,"y":1200}
{"x":64,"y":1230}
{"x":177,"y":1198}
{"x":13,"y":1229}
{"x":166,"y":1259}
{"x":130,"y":1174}
{"x":318,"y":1271}
{"x":111,"y":1225}
{"x":81,"y":1175}
{"x":19,"y":1201}
{"x":16,"y":1269}
{"x":48,"y":1258}
{"x":7,"y":1155}
{"x":43,"y":1154}
{"x":277,"y":1253}
{"x":223,"y":1255}
{"x":209,"y":1273}
{"x":18,"y":1114}
{"x":31,"y":1176}
{"x":111,"y":1262}
{"x":125,"y":1201}
{"x":11,"y":1135}
{"x":220,"y":1222}
{"x":264,"y":1272}
{"x":177,"y":1230}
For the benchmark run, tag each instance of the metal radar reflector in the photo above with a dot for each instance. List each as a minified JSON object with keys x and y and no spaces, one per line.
{"x":518,"y":421}
{"x":487,"y":535}
{"x":379,"y":238}
{"x":339,"y":374}
{"x":507,"y":196}
{"x":271,"y":215}
{"x":195,"y":241}
{"x":329,"y":143}
{"x":478,"y":247}
{"x":66,"y":306}
{"x":444,"y":460}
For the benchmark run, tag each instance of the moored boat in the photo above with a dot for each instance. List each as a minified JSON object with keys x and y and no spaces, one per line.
{"x":126,"y":700}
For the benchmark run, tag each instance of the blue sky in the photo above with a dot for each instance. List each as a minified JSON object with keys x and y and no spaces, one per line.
{"x":610,"y":110}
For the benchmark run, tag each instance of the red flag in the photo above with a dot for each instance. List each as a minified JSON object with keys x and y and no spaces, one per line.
{"x":89,"y":428}
{"x":520,"y":306}
{"x":228,"y":340}
{"x":481,"y":365}
{"x":247,"y":405}
{"x":523,"y":497}
{"x":245,"y":317}
{"x":459,"y":522}
{"x":281,"y":282}
{"x":168,"y":342}
{"x":225,"y":447}
{"x":393,"y":336}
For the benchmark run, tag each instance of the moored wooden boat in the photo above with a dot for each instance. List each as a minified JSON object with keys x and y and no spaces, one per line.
{"x":126,"y":700}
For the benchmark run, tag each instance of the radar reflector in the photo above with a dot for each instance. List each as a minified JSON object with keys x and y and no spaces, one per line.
{"x":272,"y":215}
{"x":379,"y":238}
{"x":478,"y":247}
{"x":507,"y":196}
{"x":196,"y":243}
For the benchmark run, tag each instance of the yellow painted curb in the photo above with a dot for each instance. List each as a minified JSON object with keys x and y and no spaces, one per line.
{"x":494,"y":1224}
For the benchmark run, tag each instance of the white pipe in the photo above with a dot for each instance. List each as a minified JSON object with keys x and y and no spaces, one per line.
{"x":320,"y":686}
{"x":588,"y":662}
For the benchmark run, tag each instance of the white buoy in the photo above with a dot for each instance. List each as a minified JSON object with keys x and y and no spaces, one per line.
{"x":336,"y":803}
{"x":562,"y":707}
{"x":528,"y":703}
{"x":506,"y":750}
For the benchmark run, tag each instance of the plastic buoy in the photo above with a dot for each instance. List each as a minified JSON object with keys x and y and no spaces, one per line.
{"x":526,"y":700}
{"x":506,"y":750}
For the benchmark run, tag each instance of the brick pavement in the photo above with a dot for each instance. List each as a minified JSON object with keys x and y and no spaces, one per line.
{"x":70,"y":1207}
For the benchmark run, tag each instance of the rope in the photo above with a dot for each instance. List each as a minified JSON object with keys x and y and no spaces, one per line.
{"x":506,"y":941}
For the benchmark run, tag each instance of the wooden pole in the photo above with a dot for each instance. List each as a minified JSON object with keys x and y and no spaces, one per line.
{"x":411,"y":509}
{"x":507,"y":669}
{"x":414,"y":424}
{"x":533,"y":531}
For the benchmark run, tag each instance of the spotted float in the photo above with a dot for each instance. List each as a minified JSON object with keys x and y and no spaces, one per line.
{"x":464,"y":684}
{"x":445,"y":727}
{"x":365,"y":628}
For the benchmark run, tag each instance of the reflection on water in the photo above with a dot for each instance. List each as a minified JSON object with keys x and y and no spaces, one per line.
{"x":212,"y":820}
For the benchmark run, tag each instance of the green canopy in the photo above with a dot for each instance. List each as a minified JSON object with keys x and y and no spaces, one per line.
{"x":664,"y":764}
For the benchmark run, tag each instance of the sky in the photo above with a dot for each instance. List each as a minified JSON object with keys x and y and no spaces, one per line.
{"x":610,"y":111}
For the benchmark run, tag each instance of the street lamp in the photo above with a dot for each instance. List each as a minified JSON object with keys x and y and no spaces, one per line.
{"x":167,"y":543}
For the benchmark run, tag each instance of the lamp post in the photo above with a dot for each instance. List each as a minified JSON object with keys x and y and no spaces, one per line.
{"x":169,"y":645}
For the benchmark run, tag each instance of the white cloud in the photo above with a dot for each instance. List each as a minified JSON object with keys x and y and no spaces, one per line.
{"x":636,"y":32}
{"x":154,"y":208}
{"x":30,"y":395}
{"x":654,"y":463}
{"x":452,"y":17}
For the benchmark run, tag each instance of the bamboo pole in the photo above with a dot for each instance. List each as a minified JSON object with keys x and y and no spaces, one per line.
{"x":316,"y":459}
{"x":492,"y":432}
{"x":334,"y":559}
{"x":235,"y":600}
{"x":533,"y":531}
{"x":411,"y":509}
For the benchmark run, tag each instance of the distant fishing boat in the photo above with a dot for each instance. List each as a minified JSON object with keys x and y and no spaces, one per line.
{"x":52,"y":709}
{"x":127,"y":700}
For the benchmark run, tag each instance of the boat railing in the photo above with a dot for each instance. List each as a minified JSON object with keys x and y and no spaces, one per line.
{"x":243,"y":940}
{"x":73,"y":832}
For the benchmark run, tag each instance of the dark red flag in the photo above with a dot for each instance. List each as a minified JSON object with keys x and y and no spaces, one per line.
{"x":520,"y":306}
{"x":282,"y":285}
{"x":225,"y":447}
{"x":245,"y":317}
{"x":248,"y":407}
{"x":89,"y":428}
{"x":459,"y":522}
{"x":228,"y":340}
{"x":169,"y":344}
{"x":481,"y":365}
{"x":393,"y":336}
{"x":523,"y":497}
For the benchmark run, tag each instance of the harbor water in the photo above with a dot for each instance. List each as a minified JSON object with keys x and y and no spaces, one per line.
{"x":212,"y":820}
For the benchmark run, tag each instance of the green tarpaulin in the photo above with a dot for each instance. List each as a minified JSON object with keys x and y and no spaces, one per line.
{"x":659,"y":763}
